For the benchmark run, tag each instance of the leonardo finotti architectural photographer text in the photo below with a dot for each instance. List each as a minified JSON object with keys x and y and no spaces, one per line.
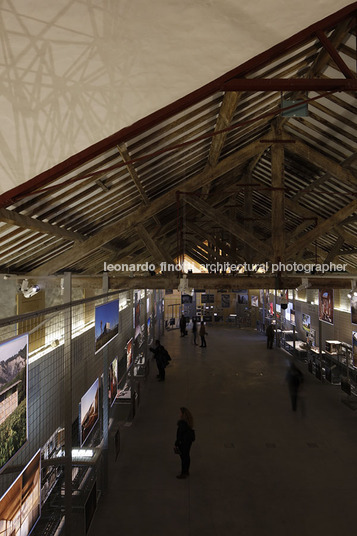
{"x":266,"y":267}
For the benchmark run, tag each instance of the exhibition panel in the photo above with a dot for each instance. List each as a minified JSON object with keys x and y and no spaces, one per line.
{"x":66,"y":389}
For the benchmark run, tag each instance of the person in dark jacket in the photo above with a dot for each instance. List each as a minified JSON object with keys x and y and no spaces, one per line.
{"x":183,"y":325}
{"x":270,"y":332}
{"x":203,"y":334}
{"x":160,"y":358}
{"x":295,"y":378}
{"x":194,"y":330}
{"x":184,"y":438}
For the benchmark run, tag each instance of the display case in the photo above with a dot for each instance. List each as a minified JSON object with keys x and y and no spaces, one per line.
{"x":333,"y":347}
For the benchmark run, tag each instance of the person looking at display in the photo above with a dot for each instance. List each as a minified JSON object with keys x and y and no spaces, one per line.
{"x":160,"y":358}
{"x":203,"y":334}
{"x":184,"y":438}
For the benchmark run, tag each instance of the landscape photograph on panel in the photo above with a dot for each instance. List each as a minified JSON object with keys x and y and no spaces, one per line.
{"x":20,"y":506}
{"x":13,"y":396}
{"x":106,"y":323}
{"x":113,"y":381}
{"x":89,"y":411}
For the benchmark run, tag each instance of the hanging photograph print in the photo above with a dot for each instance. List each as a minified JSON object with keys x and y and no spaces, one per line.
{"x":225,"y":300}
{"x":242,"y":297}
{"x":354,"y":348}
{"x":255,"y":301}
{"x":89,"y":411}
{"x":20,"y":506}
{"x":306,"y":322}
{"x":13,"y":396}
{"x":106,"y":323}
{"x":326,"y":305}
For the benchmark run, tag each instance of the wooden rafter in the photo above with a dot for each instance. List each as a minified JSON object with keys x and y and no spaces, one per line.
{"x":321,"y":228}
{"x":20,"y":220}
{"x":157,"y":250}
{"x":145,"y":212}
{"x":234,"y":228}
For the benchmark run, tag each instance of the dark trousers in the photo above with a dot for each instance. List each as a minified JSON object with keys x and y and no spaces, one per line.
{"x":270,"y":342}
{"x":294,"y":398}
{"x":185,"y":461}
{"x":203,"y":341}
{"x":194,"y":337}
{"x":161,"y":370}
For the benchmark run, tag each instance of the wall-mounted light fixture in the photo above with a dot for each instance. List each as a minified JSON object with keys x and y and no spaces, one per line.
{"x":28,"y":291}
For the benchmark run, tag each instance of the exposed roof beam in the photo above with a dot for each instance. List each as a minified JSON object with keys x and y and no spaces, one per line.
{"x":318,"y":159}
{"x":157,"y":251}
{"x":321,"y":228}
{"x":232,"y":227}
{"x":335,"y":55}
{"x":214,"y":281}
{"x":124,"y":153}
{"x":335,"y":250}
{"x":290,"y":84}
{"x":144,"y":213}
{"x":226,"y":113}
{"x":20,"y":220}
{"x":321,"y":180}
{"x":277,"y":197}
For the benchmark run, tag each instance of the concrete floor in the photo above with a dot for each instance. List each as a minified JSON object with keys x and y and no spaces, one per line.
{"x":257,"y":468}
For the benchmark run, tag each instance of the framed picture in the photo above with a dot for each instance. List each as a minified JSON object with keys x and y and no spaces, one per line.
{"x":306,"y":323}
{"x":106,"y":323}
{"x":255,"y":301}
{"x":354,"y":348}
{"x":13,"y":396}
{"x":20,"y":506}
{"x":326,"y":305}
{"x":225,"y":300}
{"x":113,"y":381}
{"x":89,"y":411}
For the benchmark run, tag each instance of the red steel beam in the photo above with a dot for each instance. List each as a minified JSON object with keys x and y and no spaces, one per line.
{"x":290,"y":84}
{"x":335,"y":55}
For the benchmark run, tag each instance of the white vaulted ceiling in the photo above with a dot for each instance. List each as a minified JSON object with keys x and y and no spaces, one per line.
{"x":73,"y":72}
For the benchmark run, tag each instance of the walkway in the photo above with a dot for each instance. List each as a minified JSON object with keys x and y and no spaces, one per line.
{"x":257,"y":468}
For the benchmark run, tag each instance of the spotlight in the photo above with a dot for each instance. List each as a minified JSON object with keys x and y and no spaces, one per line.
{"x":27,"y":291}
{"x":304,"y":284}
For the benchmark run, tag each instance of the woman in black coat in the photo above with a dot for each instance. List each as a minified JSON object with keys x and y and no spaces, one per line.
{"x":184,"y":438}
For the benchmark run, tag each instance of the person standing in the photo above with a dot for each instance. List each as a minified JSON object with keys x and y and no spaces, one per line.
{"x":183,"y":325}
{"x":194,"y":330}
{"x":295,"y":378}
{"x":160,"y":358}
{"x":203,"y":334}
{"x":270,"y":332}
{"x":184,"y":438}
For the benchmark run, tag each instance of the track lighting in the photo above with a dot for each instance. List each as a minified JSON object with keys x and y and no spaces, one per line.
{"x":304,"y":284}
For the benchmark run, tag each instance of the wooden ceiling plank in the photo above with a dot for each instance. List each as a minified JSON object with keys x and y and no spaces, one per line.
{"x":158,"y":252}
{"x":20,"y":220}
{"x":143,"y":213}
{"x":314,"y":157}
{"x":322,"y":228}
{"x":232,"y":227}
